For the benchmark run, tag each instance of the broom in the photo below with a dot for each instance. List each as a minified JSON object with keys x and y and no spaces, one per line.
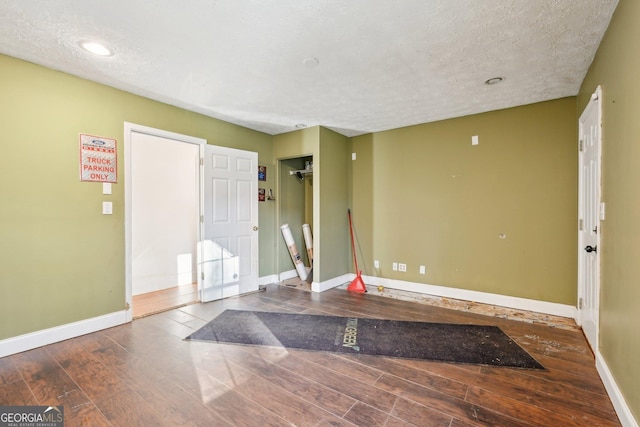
{"x":357,"y":285}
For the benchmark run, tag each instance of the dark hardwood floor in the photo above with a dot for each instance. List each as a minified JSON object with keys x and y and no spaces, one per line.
{"x":145,"y":374}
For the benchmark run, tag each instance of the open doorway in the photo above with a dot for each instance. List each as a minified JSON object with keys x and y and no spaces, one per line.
{"x":296,"y":211}
{"x":163,"y":218}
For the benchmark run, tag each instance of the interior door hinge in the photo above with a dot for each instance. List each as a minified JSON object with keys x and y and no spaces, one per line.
{"x":201,"y":218}
{"x":202,"y":275}
{"x":580,"y":224}
{"x":580,"y":303}
{"x":581,"y":145}
{"x":201,"y":161}
{"x":127,"y":306}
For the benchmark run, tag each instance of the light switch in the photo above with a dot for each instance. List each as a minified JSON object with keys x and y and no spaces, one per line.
{"x":474,"y":140}
{"x":106,"y":188}
{"x":107,"y":208}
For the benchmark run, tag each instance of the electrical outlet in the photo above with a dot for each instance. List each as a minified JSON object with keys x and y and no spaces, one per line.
{"x":423,"y":269}
{"x":394,"y":266}
{"x":376,"y":264}
{"x":402,"y":267}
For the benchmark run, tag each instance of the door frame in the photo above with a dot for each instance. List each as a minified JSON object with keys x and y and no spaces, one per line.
{"x":129,"y":129}
{"x":595,"y":101}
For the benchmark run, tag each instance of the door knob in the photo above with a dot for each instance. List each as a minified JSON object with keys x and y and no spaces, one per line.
{"x":590,"y":249}
{"x":255,"y":228}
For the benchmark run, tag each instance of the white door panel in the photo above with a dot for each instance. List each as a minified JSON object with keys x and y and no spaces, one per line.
{"x":589,"y":219}
{"x":229,"y":250}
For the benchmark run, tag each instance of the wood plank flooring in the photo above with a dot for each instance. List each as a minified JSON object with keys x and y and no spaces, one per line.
{"x":145,"y":374}
{"x":163,"y":300}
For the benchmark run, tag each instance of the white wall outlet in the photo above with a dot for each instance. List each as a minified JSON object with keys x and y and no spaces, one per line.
{"x":107,"y":208}
{"x":423,"y":269}
{"x":394,"y":266}
{"x":376,"y":264}
{"x":353,"y":156}
{"x":402,"y":267}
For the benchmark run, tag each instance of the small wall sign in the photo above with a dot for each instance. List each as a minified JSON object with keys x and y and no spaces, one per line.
{"x":98,"y":159}
{"x":262,"y":173}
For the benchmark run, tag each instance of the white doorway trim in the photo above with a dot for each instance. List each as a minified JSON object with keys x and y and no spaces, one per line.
{"x":129,"y":129}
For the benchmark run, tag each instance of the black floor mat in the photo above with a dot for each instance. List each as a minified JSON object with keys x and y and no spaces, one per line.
{"x":477,"y":344}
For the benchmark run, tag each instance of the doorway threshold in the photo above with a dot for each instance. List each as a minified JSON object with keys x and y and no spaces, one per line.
{"x":164,"y":300}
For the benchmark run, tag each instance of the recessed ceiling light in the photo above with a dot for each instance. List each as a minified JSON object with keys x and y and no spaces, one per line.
{"x":311,"y":62}
{"x":96,"y":48}
{"x":494,"y":80}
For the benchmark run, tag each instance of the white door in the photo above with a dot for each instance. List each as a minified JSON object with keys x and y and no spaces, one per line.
{"x":228,"y":253}
{"x":589,"y":206}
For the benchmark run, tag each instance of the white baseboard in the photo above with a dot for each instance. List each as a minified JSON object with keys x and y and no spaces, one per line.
{"x":60,"y":333}
{"x":332,"y":283}
{"x":285,"y":275}
{"x":551,"y":308}
{"x":267,"y":280}
{"x":617,"y":399}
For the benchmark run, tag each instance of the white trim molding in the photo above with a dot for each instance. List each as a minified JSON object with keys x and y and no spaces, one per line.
{"x":285,"y":275}
{"x":44,"y":337}
{"x":617,"y":398}
{"x":267,"y":280}
{"x":315,"y":286}
{"x":332,"y":283}
{"x":544,"y":307}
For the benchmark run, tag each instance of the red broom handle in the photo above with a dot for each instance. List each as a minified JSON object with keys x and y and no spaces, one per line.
{"x":353,"y":245}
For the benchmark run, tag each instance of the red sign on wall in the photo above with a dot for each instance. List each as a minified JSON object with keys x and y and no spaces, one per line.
{"x":98,"y":159}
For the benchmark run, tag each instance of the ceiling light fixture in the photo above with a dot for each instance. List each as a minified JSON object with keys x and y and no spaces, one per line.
{"x":301,"y":126}
{"x":311,"y":62}
{"x":96,"y":48}
{"x":494,"y":80}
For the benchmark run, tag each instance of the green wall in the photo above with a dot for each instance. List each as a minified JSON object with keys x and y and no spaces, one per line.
{"x":61,"y":260}
{"x":361,"y":197}
{"x":332,"y":176}
{"x":617,"y":69}
{"x":423,"y":195}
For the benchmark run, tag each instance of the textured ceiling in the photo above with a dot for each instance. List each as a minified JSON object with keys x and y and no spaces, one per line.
{"x":354,"y":66}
